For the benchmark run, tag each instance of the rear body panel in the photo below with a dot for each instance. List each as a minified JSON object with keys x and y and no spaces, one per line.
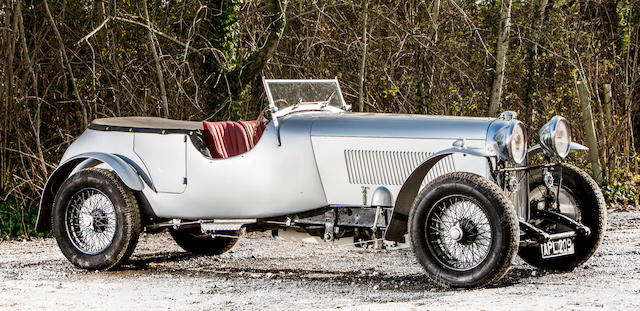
{"x":181,"y":182}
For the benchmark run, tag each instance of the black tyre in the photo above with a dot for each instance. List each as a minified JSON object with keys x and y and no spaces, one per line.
{"x":581,"y":199}
{"x":194,"y":241}
{"x":95,"y":219}
{"x":464,"y":230}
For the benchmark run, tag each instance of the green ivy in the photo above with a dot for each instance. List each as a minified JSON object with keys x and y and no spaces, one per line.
{"x":18,"y":220}
{"x":622,"y":192}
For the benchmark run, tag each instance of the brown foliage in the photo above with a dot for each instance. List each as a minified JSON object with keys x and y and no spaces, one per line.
{"x":431,"y":56}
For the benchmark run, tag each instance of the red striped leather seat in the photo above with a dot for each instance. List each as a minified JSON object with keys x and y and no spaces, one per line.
{"x":254,"y":130}
{"x":230,"y":138}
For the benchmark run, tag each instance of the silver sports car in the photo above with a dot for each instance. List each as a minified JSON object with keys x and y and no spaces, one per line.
{"x":462,"y":190}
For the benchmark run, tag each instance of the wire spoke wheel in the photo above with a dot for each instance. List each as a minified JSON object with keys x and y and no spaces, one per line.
{"x":95,"y":219}
{"x":464,"y":230}
{"x":90,"y":221}
{"x":458,"y":231}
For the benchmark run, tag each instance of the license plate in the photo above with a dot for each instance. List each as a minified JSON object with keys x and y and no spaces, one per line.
{"x":556,"y":248}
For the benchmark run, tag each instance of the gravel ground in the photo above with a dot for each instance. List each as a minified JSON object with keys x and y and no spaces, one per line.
{"x":262,"y":273}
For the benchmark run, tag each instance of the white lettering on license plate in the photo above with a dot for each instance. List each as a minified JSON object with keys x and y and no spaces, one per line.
{"x":555,"y":248}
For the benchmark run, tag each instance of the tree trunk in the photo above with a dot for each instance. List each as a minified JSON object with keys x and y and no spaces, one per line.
{"x":85,"y":121}
{"x":252,"y":66}
{"x":612,"y":159}
{"x":533,"y":76}
{"x":363,"y":62}
{"x":234,"y":75}
{"x":8,"y":48}
{"x":630,"y":82}
{"x":602,"y":129}
{"x":590,"y":132}
{"x":501,"y":57}
{"x":434,"y":16}
{"x":156,"y":60}
{"x":37,"y":122}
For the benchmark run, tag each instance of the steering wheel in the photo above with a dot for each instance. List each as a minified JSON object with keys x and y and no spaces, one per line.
{"x":261,"y":115}
{"x":281,"y":100}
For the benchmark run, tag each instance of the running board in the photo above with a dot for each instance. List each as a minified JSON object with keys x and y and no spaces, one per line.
{"x":206,"y":225}
{"x":225,"y":225}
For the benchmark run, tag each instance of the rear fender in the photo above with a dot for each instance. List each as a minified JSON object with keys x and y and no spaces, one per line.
{"x":399,"y":220}
{"x":125,"y":171}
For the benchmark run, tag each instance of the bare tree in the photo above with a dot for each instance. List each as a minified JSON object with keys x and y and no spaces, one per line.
{"x":63,"y":51}
{"x":363,"y":62}
{"x":501,"y":56}
{"x":590,"y":131}
{"x":156,"y":60}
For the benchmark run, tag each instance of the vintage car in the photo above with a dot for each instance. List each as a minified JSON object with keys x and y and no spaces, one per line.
{"x":460,"y":189}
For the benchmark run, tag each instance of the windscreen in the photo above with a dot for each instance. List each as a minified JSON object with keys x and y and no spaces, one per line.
{"x":287,"y":93}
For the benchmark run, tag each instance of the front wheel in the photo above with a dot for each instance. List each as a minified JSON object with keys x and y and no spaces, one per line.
{"x":464,"y":230}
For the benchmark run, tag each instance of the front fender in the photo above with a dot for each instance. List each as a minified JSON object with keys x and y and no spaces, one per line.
{"x":399,"y":220}
{"x":124,"y":170}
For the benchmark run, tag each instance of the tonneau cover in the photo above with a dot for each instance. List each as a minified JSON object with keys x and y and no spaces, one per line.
{"x":149,"y":123}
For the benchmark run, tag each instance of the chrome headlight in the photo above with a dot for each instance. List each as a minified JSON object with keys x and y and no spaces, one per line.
{"x":555,"y":137}
{"x":510,"y":142}
{"x":518,"y":143}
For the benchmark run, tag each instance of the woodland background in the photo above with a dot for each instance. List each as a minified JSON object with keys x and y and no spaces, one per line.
{"x":64,"y":63}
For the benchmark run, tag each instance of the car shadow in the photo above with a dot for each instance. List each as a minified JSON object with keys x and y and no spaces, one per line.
{"x":367,"y":278}
{"x":517,"y":275}
{"x":143,"y":261}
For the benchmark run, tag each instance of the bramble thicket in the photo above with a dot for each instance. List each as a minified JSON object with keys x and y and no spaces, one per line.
{"x":64,"y":63}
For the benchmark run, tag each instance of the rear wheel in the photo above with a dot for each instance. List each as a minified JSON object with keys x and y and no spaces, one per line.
{"x":96,"y":220}
{"x":194,"y":241}
{"x":464,"y":230}
{"x":581,"y":200}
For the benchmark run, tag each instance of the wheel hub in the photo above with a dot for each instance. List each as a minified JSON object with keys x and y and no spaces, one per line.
{"x":469,"y":230}
{"x":456,"y":233}
{"x":465,"y":231}
{"x":98,"y":221}
{"x":459,"y":232}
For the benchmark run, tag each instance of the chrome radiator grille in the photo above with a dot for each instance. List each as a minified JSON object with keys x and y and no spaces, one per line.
{"x":374,"y":167}
{"x":520,"y":198}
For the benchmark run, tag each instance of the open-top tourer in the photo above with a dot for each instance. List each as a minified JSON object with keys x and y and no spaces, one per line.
{"x":460,"y":189}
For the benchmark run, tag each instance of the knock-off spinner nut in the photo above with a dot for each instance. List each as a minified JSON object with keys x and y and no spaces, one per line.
{"x":547,"y":179}
{"x":455,"y":233}
{"x":513,"y":184}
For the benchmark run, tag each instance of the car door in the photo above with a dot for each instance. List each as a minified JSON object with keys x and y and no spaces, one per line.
{"x":164,"y":156}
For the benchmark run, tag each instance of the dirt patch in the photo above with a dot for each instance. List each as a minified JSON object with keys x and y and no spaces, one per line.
{"x":262,"y":273}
